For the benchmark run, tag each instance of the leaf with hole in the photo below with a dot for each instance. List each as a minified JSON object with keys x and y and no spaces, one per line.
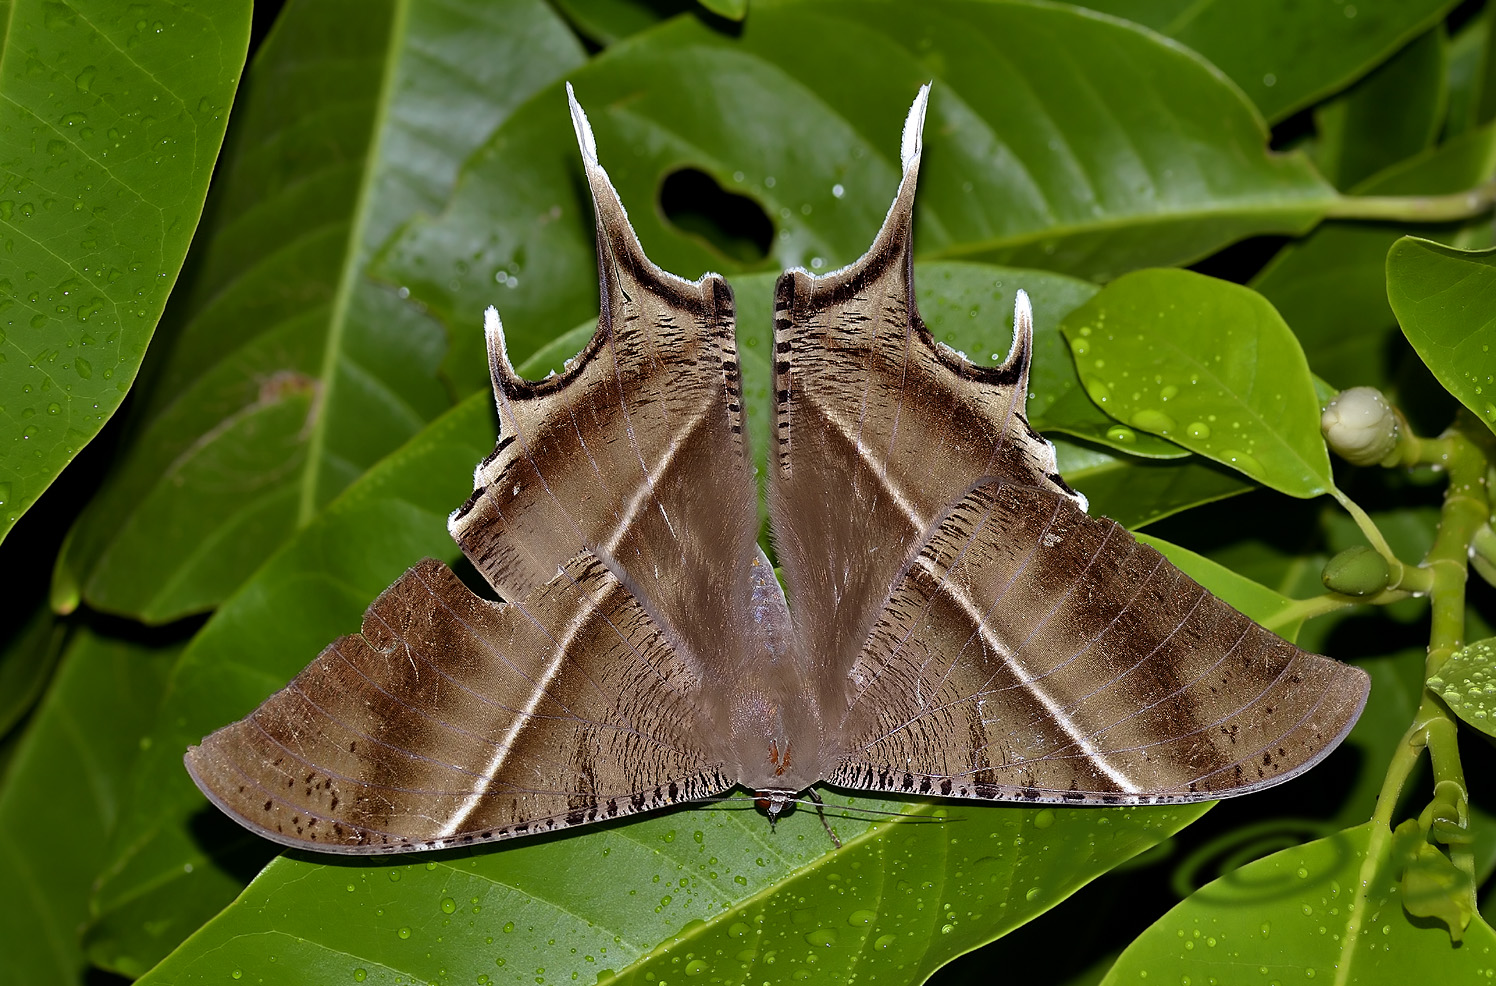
{"x":1057,"y":140}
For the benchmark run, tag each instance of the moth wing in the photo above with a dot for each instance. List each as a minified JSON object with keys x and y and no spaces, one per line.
{"x":878,"y":430}
{"x":452,"y":720}
{"x":1031,"y":652}
{"x":635,"y":452}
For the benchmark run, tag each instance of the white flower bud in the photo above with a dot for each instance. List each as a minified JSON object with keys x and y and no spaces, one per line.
{"x":1360,"y":426}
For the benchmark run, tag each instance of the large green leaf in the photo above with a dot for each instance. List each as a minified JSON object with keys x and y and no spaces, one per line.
{"x":709,"y":893}
{"x":1055,"y":139}
{"x":291,"y":372}
{"x":1329,"y":911}
{"x":1286,"y":54}
{"x":111,"y":115}
{"x":1445,"y":299}
{"x":26,"y":663}
{"x":62,"y":797}
{"x":1387,"y":117}
{"x":165,"y":878}
{"x":1207,"y":364}
{"x":1331,"y":288}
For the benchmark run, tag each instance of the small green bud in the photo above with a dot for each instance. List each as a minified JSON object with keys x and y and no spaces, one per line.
{"x":1357,"y":571}
{"x":1360,"y":426}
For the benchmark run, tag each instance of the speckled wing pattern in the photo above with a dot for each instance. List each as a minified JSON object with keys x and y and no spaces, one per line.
{"x":980,"y":635}
{"x":962,"y":627}
{"x":617,"y":518}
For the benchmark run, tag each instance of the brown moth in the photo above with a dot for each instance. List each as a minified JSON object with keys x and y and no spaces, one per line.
{"x":961,"y":627}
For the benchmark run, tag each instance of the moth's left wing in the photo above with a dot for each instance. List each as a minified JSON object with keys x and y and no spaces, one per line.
{"x":451,"y":720}
{"x":1033,"y":653}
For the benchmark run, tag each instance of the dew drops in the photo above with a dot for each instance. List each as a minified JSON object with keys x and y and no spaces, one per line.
{"x":882,"y":943}
{"x":84,"y":79}
{"x":861,"y":918}
{"x":1032,"y":894}
{"x":696,"y":967}
{"x":403,"y":933}
{"x":1155,"y":421}
{"x":1122,"y":434}
{"x":1198,"y":430}
{"x":820,"y":937}
{"x":448,"y":905}
{"x":359,"y":975}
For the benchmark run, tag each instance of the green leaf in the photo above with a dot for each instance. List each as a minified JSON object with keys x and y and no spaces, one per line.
{"x":1445,"y":299}
{"x":162,"y":881}
{"x":701,"y":892}
{"x":1332,"y":286}
{"x":1055,"y":139}
{"x":969,"y":307}
{"x":1251,"y":598}
{"x":1286,"y":55}
{"x":1467,"y":684}
{"x":26,"y":664}
{"x":112,"y":116}
{"x":1209,"y":365}
{"x":1268,"y":915}
{"x":62,"y":797}
{"x":1389,"y":116}
{"x":734,"y":10}
{"x":1136,"y":492}
{"x":609,"y":21}
{"x":291,"y":372}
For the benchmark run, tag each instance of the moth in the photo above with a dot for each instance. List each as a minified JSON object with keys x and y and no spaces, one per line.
{"x":957,"y":625}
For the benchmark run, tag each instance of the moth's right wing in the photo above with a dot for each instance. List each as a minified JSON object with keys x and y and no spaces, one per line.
{"x":1033,"y":653}
{"x":451,"y":720}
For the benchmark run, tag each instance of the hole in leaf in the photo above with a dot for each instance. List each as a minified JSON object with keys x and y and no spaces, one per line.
{"x":734,"y":225}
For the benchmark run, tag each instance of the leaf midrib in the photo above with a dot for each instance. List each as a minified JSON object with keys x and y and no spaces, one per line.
{"x":307,"y":504}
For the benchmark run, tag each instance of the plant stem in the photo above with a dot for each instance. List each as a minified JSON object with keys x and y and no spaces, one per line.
{"x":1399,"y":576}
{"x":1416,"y":208}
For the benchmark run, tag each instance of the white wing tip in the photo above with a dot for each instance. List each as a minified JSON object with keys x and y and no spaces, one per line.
{"x":914,"y":128}
{"x":1023,"y":311}
{"x":579,"y":123}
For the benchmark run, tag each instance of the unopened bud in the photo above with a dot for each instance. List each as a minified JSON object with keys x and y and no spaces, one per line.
{"x":1360,"y":426}
{"x":1357,"y":571}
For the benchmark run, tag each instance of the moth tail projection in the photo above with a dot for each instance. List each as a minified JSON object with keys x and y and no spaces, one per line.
{"x":607,"y":455}
{"x":450,"y":720}
{"x":1033,"y":653}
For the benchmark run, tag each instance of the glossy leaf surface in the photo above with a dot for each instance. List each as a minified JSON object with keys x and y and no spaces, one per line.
{"x":1056,"y":139}
{"x":111,"y":119}
{"x":62,"y":797}
{"x":289,"y":371}
{"x":1387,"y":117}
{"x":1445,"y":299}
{"x":1331,"y":287}
{"x":1137,"y":492}
{"x":1284,"y":54}
{"x":1268,"y":915}
{"x":1467,"y":684}
{"x":1240,"y":393}
{"x":163,"y":880}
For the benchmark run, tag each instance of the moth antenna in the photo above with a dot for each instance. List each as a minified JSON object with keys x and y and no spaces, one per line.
{"x":1021,"y":353}
{"x":500,"y":370}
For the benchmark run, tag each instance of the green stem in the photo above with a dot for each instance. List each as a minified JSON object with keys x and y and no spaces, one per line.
{"x":1404,"y":759}
{"x":1416,"y":208}
{"x":1399,"y":576}
{"x":1308,"y":609}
